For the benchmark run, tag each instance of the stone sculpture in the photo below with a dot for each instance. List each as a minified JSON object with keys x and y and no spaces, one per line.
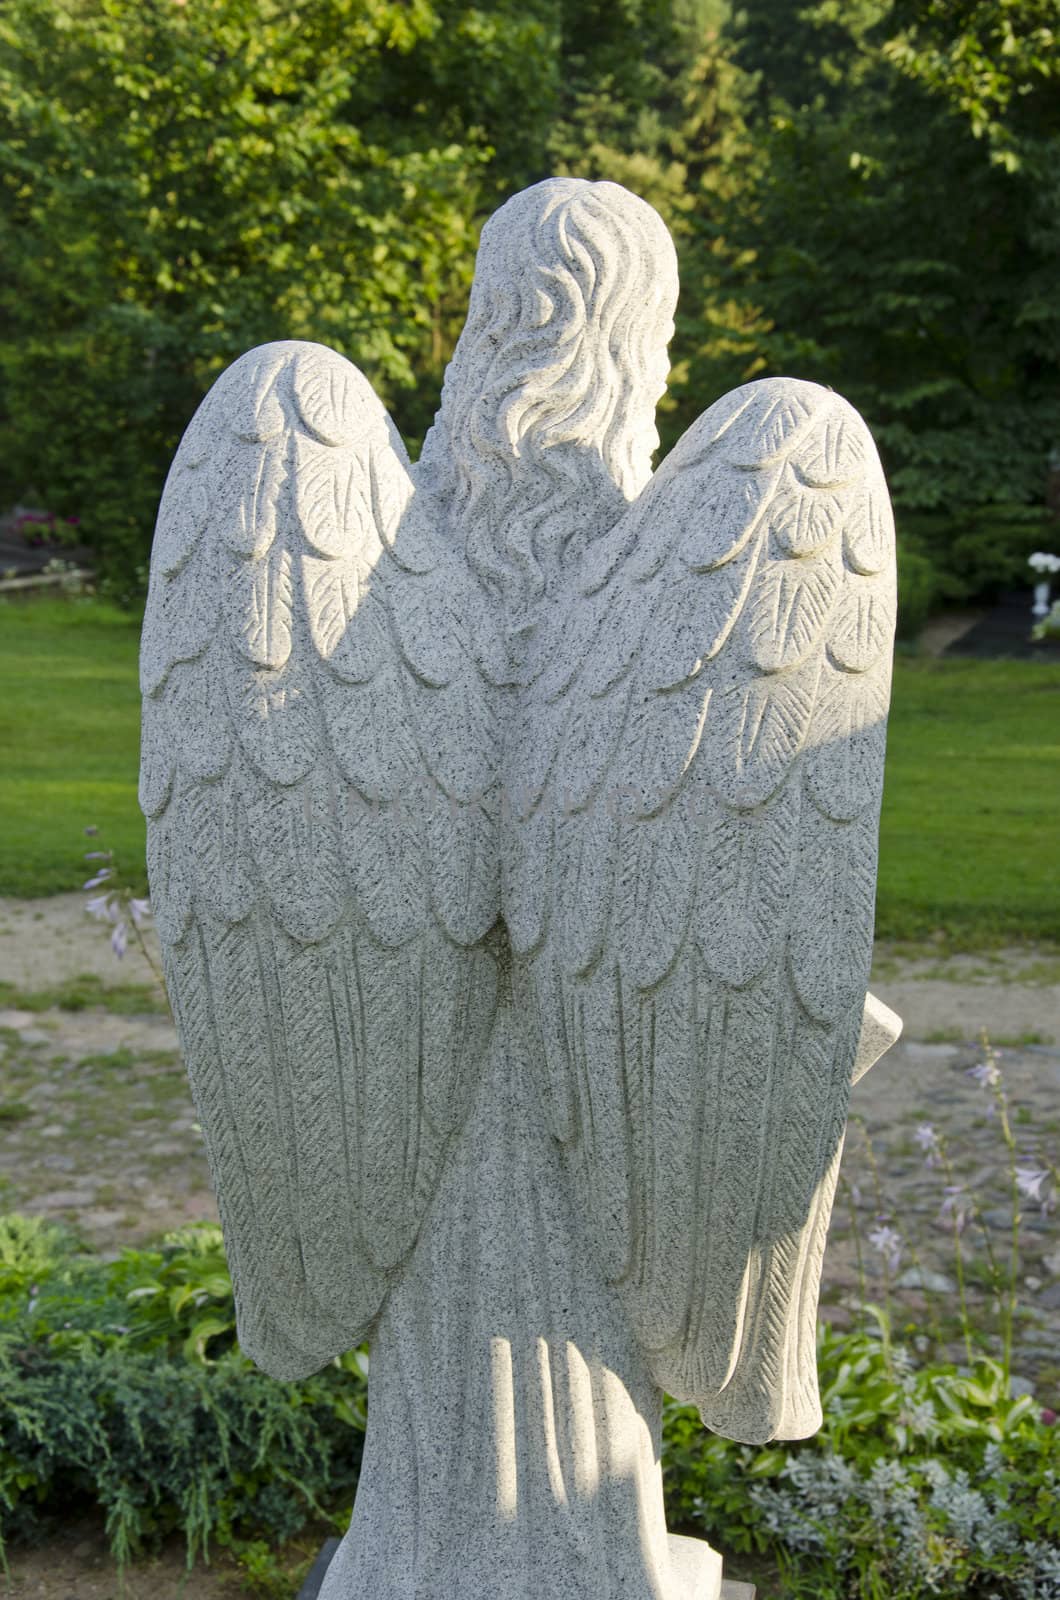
{"x":512,"y":843}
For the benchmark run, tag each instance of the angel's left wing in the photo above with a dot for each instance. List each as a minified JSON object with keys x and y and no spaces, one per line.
{"x":689,"y":876}
{"x":319,"y":756}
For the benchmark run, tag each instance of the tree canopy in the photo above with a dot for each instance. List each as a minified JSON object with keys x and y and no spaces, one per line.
{"x":865,"y":193}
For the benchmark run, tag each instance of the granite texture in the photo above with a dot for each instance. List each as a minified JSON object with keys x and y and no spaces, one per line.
{"x":512,"y":831}
{"x":311,"y":1587}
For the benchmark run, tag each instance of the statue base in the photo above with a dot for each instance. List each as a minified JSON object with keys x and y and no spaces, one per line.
{"x":696,"y":1566}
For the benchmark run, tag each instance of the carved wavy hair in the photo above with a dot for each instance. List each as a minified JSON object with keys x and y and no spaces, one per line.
{"x":546,"y":428}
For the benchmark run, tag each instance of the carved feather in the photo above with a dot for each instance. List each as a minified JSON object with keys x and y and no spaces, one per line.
{"x":182,"y":517}
{"x":332,"y":502}
{"x":157,"y":760}
{"x":302,"y":883}
{"x":697,"y":977}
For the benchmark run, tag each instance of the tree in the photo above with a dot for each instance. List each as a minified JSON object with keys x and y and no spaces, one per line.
{"x":179,"y":182}
{"x":182,"y":179}
{"x":894,"y":250}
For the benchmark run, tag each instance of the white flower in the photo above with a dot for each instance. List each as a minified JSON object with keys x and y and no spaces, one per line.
{"x":1044,"y":561}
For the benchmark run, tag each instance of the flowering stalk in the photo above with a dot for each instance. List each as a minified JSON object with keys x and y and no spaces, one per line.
{"x":953,"y":1210}
{"x":1007,"y":1303}
{"x":117,"y":905}
{"x":855,"y":1228}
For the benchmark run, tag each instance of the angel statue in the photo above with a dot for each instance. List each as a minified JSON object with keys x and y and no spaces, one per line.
{"x":512,"y":843}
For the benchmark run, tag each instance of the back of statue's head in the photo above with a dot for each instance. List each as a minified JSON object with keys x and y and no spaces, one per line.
{"x":571,"y":312}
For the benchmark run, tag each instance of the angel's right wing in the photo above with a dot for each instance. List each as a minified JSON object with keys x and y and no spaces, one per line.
{"x":319,"y":755}
{"x":690,"y":867}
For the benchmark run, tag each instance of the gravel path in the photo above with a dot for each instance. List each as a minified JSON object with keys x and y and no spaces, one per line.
{"x":1011,"y":993}
{"x":97,"y":1130}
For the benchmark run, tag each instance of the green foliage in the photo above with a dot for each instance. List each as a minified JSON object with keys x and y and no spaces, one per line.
{"x":122,"y":1384}
{"x":867,"y":194}
{"x":918,"y":586}
{"x":897,"y":239}
{"x":993,"y":60}
{"x":982,"y":555}
{"x":922,"y":1480}
{"x":178,"y":183}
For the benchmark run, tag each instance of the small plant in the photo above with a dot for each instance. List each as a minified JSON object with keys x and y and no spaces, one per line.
{"x":70,"y":576}
{"x":264,"y":1574}
{"x":924,"y":1480}
{"x":981,"y":1259}
{"x":1049,"y":625}
{"x":38,"y":528}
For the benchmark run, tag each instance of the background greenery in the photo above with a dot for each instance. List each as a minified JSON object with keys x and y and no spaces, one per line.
{"x":973,"y":772}
{"x":865,"y":192}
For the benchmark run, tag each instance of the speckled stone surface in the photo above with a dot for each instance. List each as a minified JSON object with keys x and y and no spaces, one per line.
{"x":512,"y":837}
{"x":729,"y":1590}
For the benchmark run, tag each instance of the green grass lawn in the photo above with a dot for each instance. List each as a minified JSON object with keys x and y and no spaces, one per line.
{"x":70,"y":740}
{"x":970,"y":834}
{"x":971,"y":818}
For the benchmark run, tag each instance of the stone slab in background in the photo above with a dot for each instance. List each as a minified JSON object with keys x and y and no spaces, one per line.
{"x":1004,"y":633}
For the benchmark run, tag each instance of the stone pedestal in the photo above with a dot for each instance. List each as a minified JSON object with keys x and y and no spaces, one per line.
{"x":686,"y":1555}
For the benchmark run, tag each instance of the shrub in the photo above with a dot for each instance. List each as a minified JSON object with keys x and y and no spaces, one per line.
{"x":984,"y":553}
{"x":122,"y":1384}
{"x":923,"y":1480}
{"x":918,"y":586}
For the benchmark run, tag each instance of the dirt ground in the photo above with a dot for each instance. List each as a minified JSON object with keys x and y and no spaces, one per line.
{"x":76,"y":1565}
{"x":97,"y":1129}
{"x":1011,"y":993}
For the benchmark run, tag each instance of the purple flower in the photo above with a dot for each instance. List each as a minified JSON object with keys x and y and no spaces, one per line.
{"x":101,"y":877}
{"x":888,"y":1241}
{"x":1029,"y":1181}
{"x":140,"y":911}
{"x":986,"y":1074}
{"x":90,"y":833}
{"x":928,"y":1140}
{"x":102,"y":907}
{"x":97,"y":855}
{"x":956,"y":1208}
{"x":119,"y":940}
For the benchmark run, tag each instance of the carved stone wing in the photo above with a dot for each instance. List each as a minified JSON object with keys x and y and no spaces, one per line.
{"x":319,"y":749}
{"x":689,"y":875}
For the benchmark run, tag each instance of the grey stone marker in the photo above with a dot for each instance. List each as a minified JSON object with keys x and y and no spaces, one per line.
{"x":512,"y":841}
